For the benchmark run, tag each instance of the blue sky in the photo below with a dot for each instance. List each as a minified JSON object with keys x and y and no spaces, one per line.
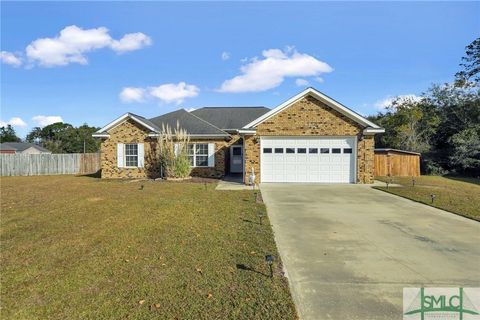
{"x":168,"y":55}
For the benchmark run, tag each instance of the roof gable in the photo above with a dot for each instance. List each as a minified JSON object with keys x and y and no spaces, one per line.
{"x":139,"y":119}
{"x":321,"y":97}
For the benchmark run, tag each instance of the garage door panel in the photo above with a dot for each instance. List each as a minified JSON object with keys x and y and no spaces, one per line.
{"x":304,"y":161}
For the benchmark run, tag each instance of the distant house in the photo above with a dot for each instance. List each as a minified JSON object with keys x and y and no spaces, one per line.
{"x":21,"y":147}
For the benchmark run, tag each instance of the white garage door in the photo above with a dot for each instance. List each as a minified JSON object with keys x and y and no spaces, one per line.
{"x":292,"y":159}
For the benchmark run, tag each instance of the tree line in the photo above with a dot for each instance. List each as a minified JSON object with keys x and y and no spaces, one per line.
{"x":443,"y":124}
{"x":57,"y":137}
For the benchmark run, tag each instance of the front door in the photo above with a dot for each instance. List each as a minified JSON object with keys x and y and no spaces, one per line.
{"x":236,"y":159}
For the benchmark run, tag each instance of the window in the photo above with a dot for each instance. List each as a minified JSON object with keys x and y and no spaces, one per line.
{"x":278,"y":150}
{"x":347,"y":150}
{"x":336,"y":150}
{"x":267,"y":150}
{"x":131,"y":155}
{"x":324,"y":150}
{"x":313,"y":150}
{"x":237,"y":151}
{"x":302,"y":150}
{"x":198,"y":154}
{"x":290,"y":150}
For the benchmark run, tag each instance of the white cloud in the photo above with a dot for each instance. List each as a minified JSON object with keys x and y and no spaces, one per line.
{"x":10,"y":58}
{"x":382,"y":105}
{"x":43,"y":121}
{"x":271,"y":70}
{"x":71,"y":45}
{"x":302,"y":82}
{"x":225,"y":55}
{"x":130,"y":42}
{"x":131,"y":94}
{"x":171,"y":92}
{"x":14,"y":122}
{"x":167,"y":93}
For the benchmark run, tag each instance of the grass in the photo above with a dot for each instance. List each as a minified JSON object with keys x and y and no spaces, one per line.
{"x":83,"y":248}
{"x":457,"y":195}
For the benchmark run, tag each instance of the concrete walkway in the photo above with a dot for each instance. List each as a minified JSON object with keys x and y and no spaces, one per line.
{"x":232,"y":182}
{"x":349,"y":250}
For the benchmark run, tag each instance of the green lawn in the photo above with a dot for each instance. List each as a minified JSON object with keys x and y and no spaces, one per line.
{"x":83,"y":248}
{"x":458,"y":195}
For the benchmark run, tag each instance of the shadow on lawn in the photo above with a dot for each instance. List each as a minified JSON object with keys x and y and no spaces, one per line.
{"x":464,"y":179}
{"x":96,"y":175}
{"x":241,"y":266}
{"x":250,"y":221}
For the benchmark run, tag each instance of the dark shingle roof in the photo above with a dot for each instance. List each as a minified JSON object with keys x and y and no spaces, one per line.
{"x":21,"y":146}
{"x":230,"y":117}
{"x":189,"y":122}
{"x":146,"y":121}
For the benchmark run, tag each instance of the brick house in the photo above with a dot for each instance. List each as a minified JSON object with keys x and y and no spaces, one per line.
{"x":309,"y":138}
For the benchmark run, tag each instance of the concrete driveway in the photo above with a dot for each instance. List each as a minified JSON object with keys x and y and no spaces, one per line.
{"x":349,"y":250}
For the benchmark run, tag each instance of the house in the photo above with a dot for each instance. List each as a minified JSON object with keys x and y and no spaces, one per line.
{"x":22,"y":147}
{"x":309,"y":138}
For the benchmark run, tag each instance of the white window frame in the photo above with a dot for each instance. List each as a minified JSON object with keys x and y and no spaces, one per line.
{"x":194,"y":148}
{"x":125,"y":155}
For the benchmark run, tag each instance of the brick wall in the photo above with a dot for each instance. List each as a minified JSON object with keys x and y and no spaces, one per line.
{"x":127,"y":132}
{"x":131,"y":132}
{"x":310,"y":117}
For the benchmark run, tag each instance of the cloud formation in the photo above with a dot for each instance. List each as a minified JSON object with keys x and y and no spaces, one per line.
{"x":225,"y":55}
{"x":10,"y":58}
{"x":131,"y":94}
{"x":172,"y":92}
{"x":271,"y":70}
{"x":43,"y":121}
{"x":72,"y":44}
{"x":382,"y":105}
{"x":14,"y":122}
{"x":301,"y":82}
{"x":167,"y":93}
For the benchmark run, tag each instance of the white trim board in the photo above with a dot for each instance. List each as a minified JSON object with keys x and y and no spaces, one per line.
{"x":320,"y":96}
{"x":121,"y":119}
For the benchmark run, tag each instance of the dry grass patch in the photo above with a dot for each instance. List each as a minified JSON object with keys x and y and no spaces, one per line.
{"x":83,"y":248}
{"x":457,"y":195}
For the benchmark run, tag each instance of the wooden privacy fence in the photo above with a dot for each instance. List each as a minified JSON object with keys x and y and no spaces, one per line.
{"x":49,"y":164}
{"x":392,"y":162}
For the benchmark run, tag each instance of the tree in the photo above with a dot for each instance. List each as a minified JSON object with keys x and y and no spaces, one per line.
{"x":470,"y":64}
{"x":64,"y":138}
{"x":7,"y":134}
{"x":466,"y":150}
{"x":409,"y":125}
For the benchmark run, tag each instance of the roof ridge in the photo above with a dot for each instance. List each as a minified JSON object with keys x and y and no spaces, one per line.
{"x":226,"y":107}
{"x":204,"y":121}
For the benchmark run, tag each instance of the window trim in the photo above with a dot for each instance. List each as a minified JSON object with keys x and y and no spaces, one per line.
{"x":129,"y":155}
{"x":194,"y":155}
